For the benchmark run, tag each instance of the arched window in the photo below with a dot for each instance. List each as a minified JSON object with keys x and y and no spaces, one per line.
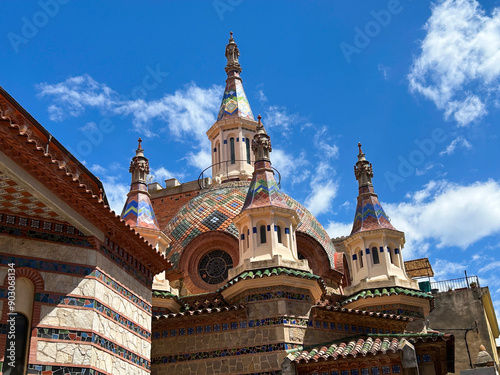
{"x":278,"y":229}
{"x":376,"y":259}
{"x":18,"y":324}
{"x":233,"y":156}
{"x":361,"y":259}
{"x":247,"y":141}
{"x":263,"y":234}
{"x":390,"y":255}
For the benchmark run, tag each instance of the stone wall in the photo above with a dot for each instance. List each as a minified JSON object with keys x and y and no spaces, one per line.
{"x":459,"y":309}
{"x":89,"y":313}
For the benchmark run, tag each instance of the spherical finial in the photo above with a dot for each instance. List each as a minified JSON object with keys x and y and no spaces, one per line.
{"x":359,"y":145}
{"x":139,"y":140}
{"x":259,"y":117}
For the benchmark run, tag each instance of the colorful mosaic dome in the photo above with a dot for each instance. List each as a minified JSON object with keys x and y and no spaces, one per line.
{"x":216,"y":208}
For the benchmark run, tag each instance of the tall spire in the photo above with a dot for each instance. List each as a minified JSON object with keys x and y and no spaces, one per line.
{"x":369,"y":213}
{"x":234,"y":102}
{"x":138,"y":211}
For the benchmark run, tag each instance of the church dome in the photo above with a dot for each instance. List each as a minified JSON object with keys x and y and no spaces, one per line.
{"x":214,"y":210}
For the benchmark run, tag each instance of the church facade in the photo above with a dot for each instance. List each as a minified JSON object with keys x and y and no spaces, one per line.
{"x":224,"y":275}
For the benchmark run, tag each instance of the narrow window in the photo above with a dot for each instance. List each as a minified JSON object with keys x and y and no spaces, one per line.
{"x":390,"y":255}
{"x":279,"y":234}
{"x":262,"y":234}
{"x":361,"y":259}
{"x":247,"y":141}
{"x":376,"y":259}
{"x":18,"y":341}
{"x":233,"y":157}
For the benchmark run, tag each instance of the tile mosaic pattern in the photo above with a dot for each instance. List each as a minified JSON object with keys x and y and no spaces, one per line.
{"x":352,"y":348}
{"x":234,"y":102}
{"x":42,"y":230}
{"x":372,"y":293}
{"x":264,"y":190}
{"x":369,"y":213}
{"x":370,"y":343}
{"x":44,"y":265}
{"x":90,"y":337}
{"x":223,"y":353}
{"x":18,"y":200}
{"x":63,"y":300}
{"x":138,"y":211}
{"x":34,"y":369}
{"x":227,"y":200}
{"x":73,"y":270}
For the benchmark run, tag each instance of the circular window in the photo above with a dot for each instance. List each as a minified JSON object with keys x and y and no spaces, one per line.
{"x":213,"y":267}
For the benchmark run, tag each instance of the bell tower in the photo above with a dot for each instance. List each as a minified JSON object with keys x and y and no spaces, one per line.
{"x":231,"y":135}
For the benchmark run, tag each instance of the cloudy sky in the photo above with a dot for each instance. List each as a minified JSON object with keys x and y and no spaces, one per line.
{"x":416,"y":82}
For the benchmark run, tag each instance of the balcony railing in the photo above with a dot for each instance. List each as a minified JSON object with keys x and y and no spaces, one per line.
{"x":455,"y":284}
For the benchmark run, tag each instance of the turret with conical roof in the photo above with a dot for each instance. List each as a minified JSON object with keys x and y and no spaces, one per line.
{"x":268,"y":244}
{"x":138,"y":211}
{"x":369,"y":212}
{"x":233,"y":131}
{"x":374,"y":251}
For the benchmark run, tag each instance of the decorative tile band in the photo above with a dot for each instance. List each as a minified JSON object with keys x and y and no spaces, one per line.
{"x":244,"y":324}
{"x":56,"y":299}
{"x":90,"y":337}
{"x":129,"y":264}
{"x":122,"y":290}
{"x":384,"y":370}
{"x":275,"y":295}
{"x":73,"y":270}
{"x":224,"y":353}
{"x":61,"y":370}
{"x":43,"y":265}
{"x":44,"y":235}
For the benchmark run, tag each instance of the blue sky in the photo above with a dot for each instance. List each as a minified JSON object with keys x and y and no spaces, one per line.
{"x":416,"y":82}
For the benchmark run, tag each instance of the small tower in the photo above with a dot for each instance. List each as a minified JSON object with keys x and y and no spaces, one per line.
{"x":138,"y":211}
{"x":374,"y":250}
{"x":266,"y":224}
{"x":232,"y":133}
{"x":268,"y":245}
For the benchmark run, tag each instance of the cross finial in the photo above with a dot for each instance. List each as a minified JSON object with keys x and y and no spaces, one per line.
{"x":359,"y":145}
{"x":139,"y":140}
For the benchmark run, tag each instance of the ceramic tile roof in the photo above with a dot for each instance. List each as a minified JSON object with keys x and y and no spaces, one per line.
{"x":138,"y":211}
{"x":215,"y":209}
{"x":200,"y":312}
{"x":369,"y":213}
{"x":264,"y":190}
{"x":275,"y":271}
{"x":234,"y":102}
{"x":370,"y":344}
{"x":372,"y":293}
{"x":362,"y":312}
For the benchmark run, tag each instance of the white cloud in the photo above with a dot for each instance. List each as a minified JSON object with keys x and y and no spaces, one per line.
{"x":261,"y":96}
{"x":161,"y":174}
{"x":444,"y":269}
{"x":278,"y":117}
{"x":187,"y":112}
{"x":489,"y":267}
{"x":384,"y":70}
{"x":290,"y":166}
{"x":336,"y":229}
{"x":325,"y":145}
{"x":323,"y":190}
{"x":450,"y":214}
{"x":201,"y":160}
{"x":459,"y":141}
{"x":459,"y":63}
{"x":96,"y":168}
{"x":116,"y":192}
